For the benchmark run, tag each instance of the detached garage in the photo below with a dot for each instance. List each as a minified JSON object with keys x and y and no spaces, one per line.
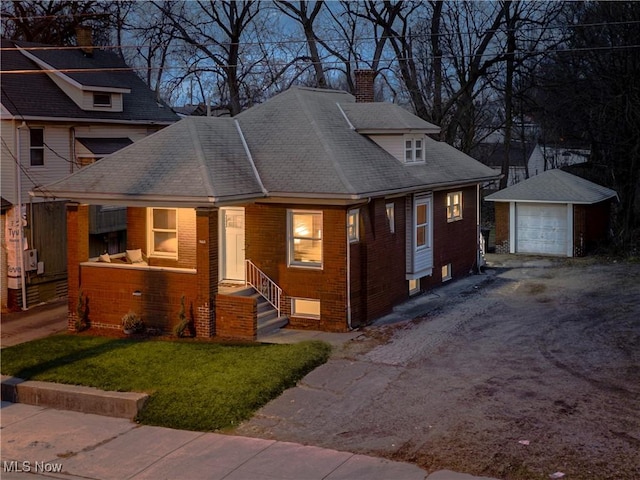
{"x":554,"y":213}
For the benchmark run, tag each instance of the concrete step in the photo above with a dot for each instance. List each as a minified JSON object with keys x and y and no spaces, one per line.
{"x":73,"y":397}
{"x":271,"y":325}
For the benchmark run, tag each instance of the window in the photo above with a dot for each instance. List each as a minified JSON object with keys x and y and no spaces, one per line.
{"x":305,"y":238}
{"x":101,"y":99}
{"x":454,"y":206}
{"x":413,"y":149}
{"x":353,"y":225}
{"x":163,"y":241}
{"x":302,"y":307}
{"x":391,"y":216}
{"x":36,"y":147}
{"x":446,"y":272}
{"x":422,"y":225}
{"x":414,"y":286}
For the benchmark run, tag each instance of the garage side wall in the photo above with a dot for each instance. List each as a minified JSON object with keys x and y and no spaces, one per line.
{"x":502,"y":227}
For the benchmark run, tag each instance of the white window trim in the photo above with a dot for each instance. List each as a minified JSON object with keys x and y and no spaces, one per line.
{"x":390,"y":209}
{"x":450,"y":205}
{"x":38,"y":148}
{"x":302,"y":314}
{"x":446,"y":272}
{"x":290,"y":244}
{"x":103,"y":105}
{"x":414,"y":158}
{"x":150,"y":235}
{"x":353,"y":233}
{"x":428,"y":228}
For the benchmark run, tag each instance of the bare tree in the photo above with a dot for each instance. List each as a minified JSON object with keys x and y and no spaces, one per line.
{"x":303,"y":14}
{"x":216,"y":30}
{"x":55,"y":23}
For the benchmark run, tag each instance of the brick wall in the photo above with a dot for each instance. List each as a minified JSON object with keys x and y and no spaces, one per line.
{"x":590,"y":227}
{"x":207,"y":268}
{"x":236,"y":317}
{"x":77,"y":251}
{"x":112,"y":292}
{"x":137,"y":237}
{"x":378,"y":262}
{"x":455,"y":242}
{"x":266,"y":246}
{"x":502,"y":227}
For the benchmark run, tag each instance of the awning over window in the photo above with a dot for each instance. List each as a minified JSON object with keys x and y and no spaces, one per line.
{"x":104,"y":146}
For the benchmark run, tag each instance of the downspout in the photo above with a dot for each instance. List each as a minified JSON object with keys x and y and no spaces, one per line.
{"x":21,"y":236}
{"x":478,"y":231}
{"x":346,"y":226}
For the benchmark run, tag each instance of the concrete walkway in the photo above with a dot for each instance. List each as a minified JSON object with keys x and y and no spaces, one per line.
{"x":44,"y":443}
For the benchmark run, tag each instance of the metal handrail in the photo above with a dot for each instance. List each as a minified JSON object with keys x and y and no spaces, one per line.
{"x":263,"y":285}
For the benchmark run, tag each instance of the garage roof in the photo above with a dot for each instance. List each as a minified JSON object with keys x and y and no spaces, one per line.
{"x":554,"y":186}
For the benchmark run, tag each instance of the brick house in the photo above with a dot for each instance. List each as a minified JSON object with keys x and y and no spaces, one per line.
{"x":335,"y":210}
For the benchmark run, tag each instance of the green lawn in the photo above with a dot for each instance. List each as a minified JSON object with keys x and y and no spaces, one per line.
{"x":192,"y":385}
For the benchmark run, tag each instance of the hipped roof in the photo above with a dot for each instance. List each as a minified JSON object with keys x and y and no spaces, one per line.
{"x":554,"y":186}
{"x":296,"y":145}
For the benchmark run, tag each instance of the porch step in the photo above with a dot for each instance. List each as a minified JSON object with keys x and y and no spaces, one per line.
{"x":268,"y":319}
{"x":269,"y":326}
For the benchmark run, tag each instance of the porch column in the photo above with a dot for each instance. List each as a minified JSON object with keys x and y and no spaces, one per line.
{"x":207,"y":270}
{"x":77,"y":252}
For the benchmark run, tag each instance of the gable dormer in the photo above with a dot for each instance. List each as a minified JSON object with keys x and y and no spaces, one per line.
{"x":393,"y":128}
{"x":81,"y":78}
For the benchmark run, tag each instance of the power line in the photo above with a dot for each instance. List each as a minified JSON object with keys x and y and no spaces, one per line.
{"x":409,"y":36}
{"x":322,"y":62}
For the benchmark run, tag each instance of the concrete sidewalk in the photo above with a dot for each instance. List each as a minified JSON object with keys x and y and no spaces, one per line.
{"x":43,"y":443}
{"x":62,"y":444}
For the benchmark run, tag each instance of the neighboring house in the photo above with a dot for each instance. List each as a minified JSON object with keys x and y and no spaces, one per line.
{"x":527,"y":160}
{"x":61,"y":109}
{"x":335,"y":211}
{"x":553,"y":213}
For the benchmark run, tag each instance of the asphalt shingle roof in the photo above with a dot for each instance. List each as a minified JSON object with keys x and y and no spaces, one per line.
{"x":104,"y":146}
{"x":300,"y":144}
{"x":36,"y":95}
{"x":554,"y":186}
{"x":384,"y":116}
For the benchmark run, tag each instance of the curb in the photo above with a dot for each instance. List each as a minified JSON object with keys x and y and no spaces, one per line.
{"x":72,"y":397}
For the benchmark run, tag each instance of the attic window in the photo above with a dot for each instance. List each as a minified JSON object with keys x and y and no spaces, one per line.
{"x":413,"y":149}
{"x":101,"y":99}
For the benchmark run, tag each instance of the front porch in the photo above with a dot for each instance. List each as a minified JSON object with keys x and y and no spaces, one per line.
{"x":108,"y":288}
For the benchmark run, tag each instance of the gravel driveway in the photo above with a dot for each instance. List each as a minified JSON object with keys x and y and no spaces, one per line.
{"x":516,"y":374}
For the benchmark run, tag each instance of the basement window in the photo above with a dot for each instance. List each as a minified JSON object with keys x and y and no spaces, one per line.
{"x":446,"y":272}
{"x":306,"y":308}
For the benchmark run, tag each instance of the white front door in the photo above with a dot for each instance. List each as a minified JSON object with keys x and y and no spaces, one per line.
{"x":232,"y":244}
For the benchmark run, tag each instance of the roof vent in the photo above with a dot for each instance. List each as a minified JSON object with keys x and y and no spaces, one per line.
{"x":364,"y":85}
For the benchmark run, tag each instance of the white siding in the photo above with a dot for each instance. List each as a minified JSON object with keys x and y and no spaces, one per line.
{"x":394,"y":144}
{"x":7,"y":154}
{"x":87,"y":102}
{"x":135,"y":132}
{"x":419,"y":261}
{"x":57,"y":158}
{"x":74,"y":93}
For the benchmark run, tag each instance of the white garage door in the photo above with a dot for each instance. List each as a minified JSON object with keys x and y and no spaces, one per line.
{"x":541,"y":228}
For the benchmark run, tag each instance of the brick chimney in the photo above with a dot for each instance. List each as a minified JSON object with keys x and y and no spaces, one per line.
{"x":364,"y":85}
{"x":84,"y":39}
